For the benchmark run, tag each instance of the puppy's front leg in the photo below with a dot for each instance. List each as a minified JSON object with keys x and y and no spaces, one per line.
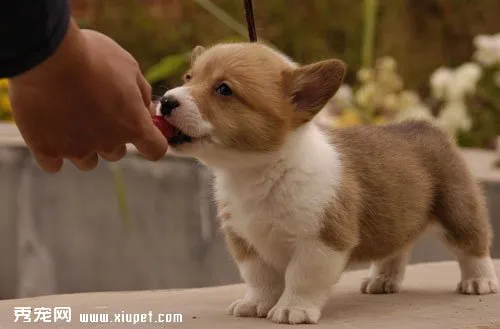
{"x":312,"y":271}
{"x":264,"y":283}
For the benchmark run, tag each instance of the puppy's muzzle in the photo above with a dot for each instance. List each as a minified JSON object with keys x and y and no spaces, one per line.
{"x":168,"y":104}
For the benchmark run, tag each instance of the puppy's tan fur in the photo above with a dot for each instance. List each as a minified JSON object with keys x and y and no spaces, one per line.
{"x":399,"y":179}
{"x":299,"y":203}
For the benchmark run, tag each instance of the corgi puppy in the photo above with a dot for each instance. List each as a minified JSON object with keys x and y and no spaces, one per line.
{"x":298,"y":203}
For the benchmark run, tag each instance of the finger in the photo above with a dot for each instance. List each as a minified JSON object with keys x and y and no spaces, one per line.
{"x":153,"y":108}
{"x":87,"y":163}
{"x":114,"y":155}
{"x":48,"y":164}
{"x":152,"y":145}
{"x":146,"y":90}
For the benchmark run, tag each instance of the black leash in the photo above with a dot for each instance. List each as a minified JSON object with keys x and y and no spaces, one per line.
{"x":252,"y":32}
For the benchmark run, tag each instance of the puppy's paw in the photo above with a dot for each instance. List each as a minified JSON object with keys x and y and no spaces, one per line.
{"x":380,"y":285}
{"x":250,"y":308}
{"x":294,"y":315}
{"x":478,"y":286}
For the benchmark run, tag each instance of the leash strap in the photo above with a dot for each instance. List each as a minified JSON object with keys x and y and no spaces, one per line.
{"x":252,"y":33}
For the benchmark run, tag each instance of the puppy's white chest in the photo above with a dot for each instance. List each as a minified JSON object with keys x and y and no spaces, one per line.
{"x":273,"y":220}
{"x":284,"y":202}
{"x":270,"y":228}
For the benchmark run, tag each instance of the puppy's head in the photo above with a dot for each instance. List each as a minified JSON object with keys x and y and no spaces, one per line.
{"x":241,"y":101}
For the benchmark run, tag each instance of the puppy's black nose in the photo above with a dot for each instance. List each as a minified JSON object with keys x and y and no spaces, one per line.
{"x":168,"y":104}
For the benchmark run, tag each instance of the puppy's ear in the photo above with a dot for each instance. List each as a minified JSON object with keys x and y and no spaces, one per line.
{"x":196,"y":52}
{"x":310,"y":87}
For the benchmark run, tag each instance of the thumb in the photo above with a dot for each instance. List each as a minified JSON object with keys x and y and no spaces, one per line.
{"x":152,"y":144}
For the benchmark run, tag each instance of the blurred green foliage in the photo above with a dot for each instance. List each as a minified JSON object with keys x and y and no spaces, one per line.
{"x":307,"y":33}
{"x":421,"y":35}
{"x":167,"y":67}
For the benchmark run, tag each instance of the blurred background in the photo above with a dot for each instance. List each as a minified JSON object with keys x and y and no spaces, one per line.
{"x":138,"y":225}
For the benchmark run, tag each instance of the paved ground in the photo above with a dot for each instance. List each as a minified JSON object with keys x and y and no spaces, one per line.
{"x":426,"y":302}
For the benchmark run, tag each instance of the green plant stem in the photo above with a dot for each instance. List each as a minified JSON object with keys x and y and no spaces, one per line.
{"x":224,"y":17}
{"x":167,"y":67}
{"x":367,"y":49}
{"x":121,"y":194}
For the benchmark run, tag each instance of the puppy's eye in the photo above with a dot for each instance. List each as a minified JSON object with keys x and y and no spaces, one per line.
{"x":224,"y":90}
{"x":187,"y":77}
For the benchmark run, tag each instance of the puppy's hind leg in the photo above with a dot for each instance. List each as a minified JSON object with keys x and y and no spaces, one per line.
{"x":478,"y":274}
{"x":386,"y":275}
{"x":462,"y":212}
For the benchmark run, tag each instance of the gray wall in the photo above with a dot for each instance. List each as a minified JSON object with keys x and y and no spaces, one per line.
{"x":63,"y":233}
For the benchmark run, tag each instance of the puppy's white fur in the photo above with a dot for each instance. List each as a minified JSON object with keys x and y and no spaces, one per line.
{"x":188,"y":117}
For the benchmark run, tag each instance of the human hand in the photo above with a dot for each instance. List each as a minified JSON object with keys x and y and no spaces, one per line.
{"x":87,"y":99}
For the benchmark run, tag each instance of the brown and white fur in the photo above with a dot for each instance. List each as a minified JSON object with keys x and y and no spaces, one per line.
{"x":298,"y":203}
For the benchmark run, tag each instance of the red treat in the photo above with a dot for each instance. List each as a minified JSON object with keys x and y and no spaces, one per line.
{"x":165,"y":127}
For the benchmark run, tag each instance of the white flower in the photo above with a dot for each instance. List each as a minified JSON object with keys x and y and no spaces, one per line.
{"x":417,"y":112}
{"x":364,"y":95}
{"x":454,"y":117}
{"x":409,"y":99}
{"x":457,"y":90}
{"x":364,"y":75}
{"x":387,"y":64}
{"x":344,"y":94}
{"x":482,"y":41}
{"x":389,"y":81}
{"x":439,"y":82}
{"x":384,"y":79}
{"x":391,"y":102}
{"x":454,"y":85}
{"x":464,"y":81}
{"x":469,"y":71}
{"x":486,"y":57}
{"x":487,"y":49}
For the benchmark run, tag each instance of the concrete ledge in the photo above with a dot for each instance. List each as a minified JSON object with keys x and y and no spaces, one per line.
{"x":480,"y":161}
{"x":427,"y":301}
{"x":11,"y":137}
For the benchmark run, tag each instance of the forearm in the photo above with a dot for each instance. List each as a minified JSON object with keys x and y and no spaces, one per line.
{"x":30,"y":32}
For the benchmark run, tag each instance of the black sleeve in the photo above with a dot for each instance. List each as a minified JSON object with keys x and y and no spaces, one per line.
{"x":30,"y":31}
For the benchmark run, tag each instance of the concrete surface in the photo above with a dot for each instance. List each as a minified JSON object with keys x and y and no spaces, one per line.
{"x":63,"y":233}
{"x":426,"y":301}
